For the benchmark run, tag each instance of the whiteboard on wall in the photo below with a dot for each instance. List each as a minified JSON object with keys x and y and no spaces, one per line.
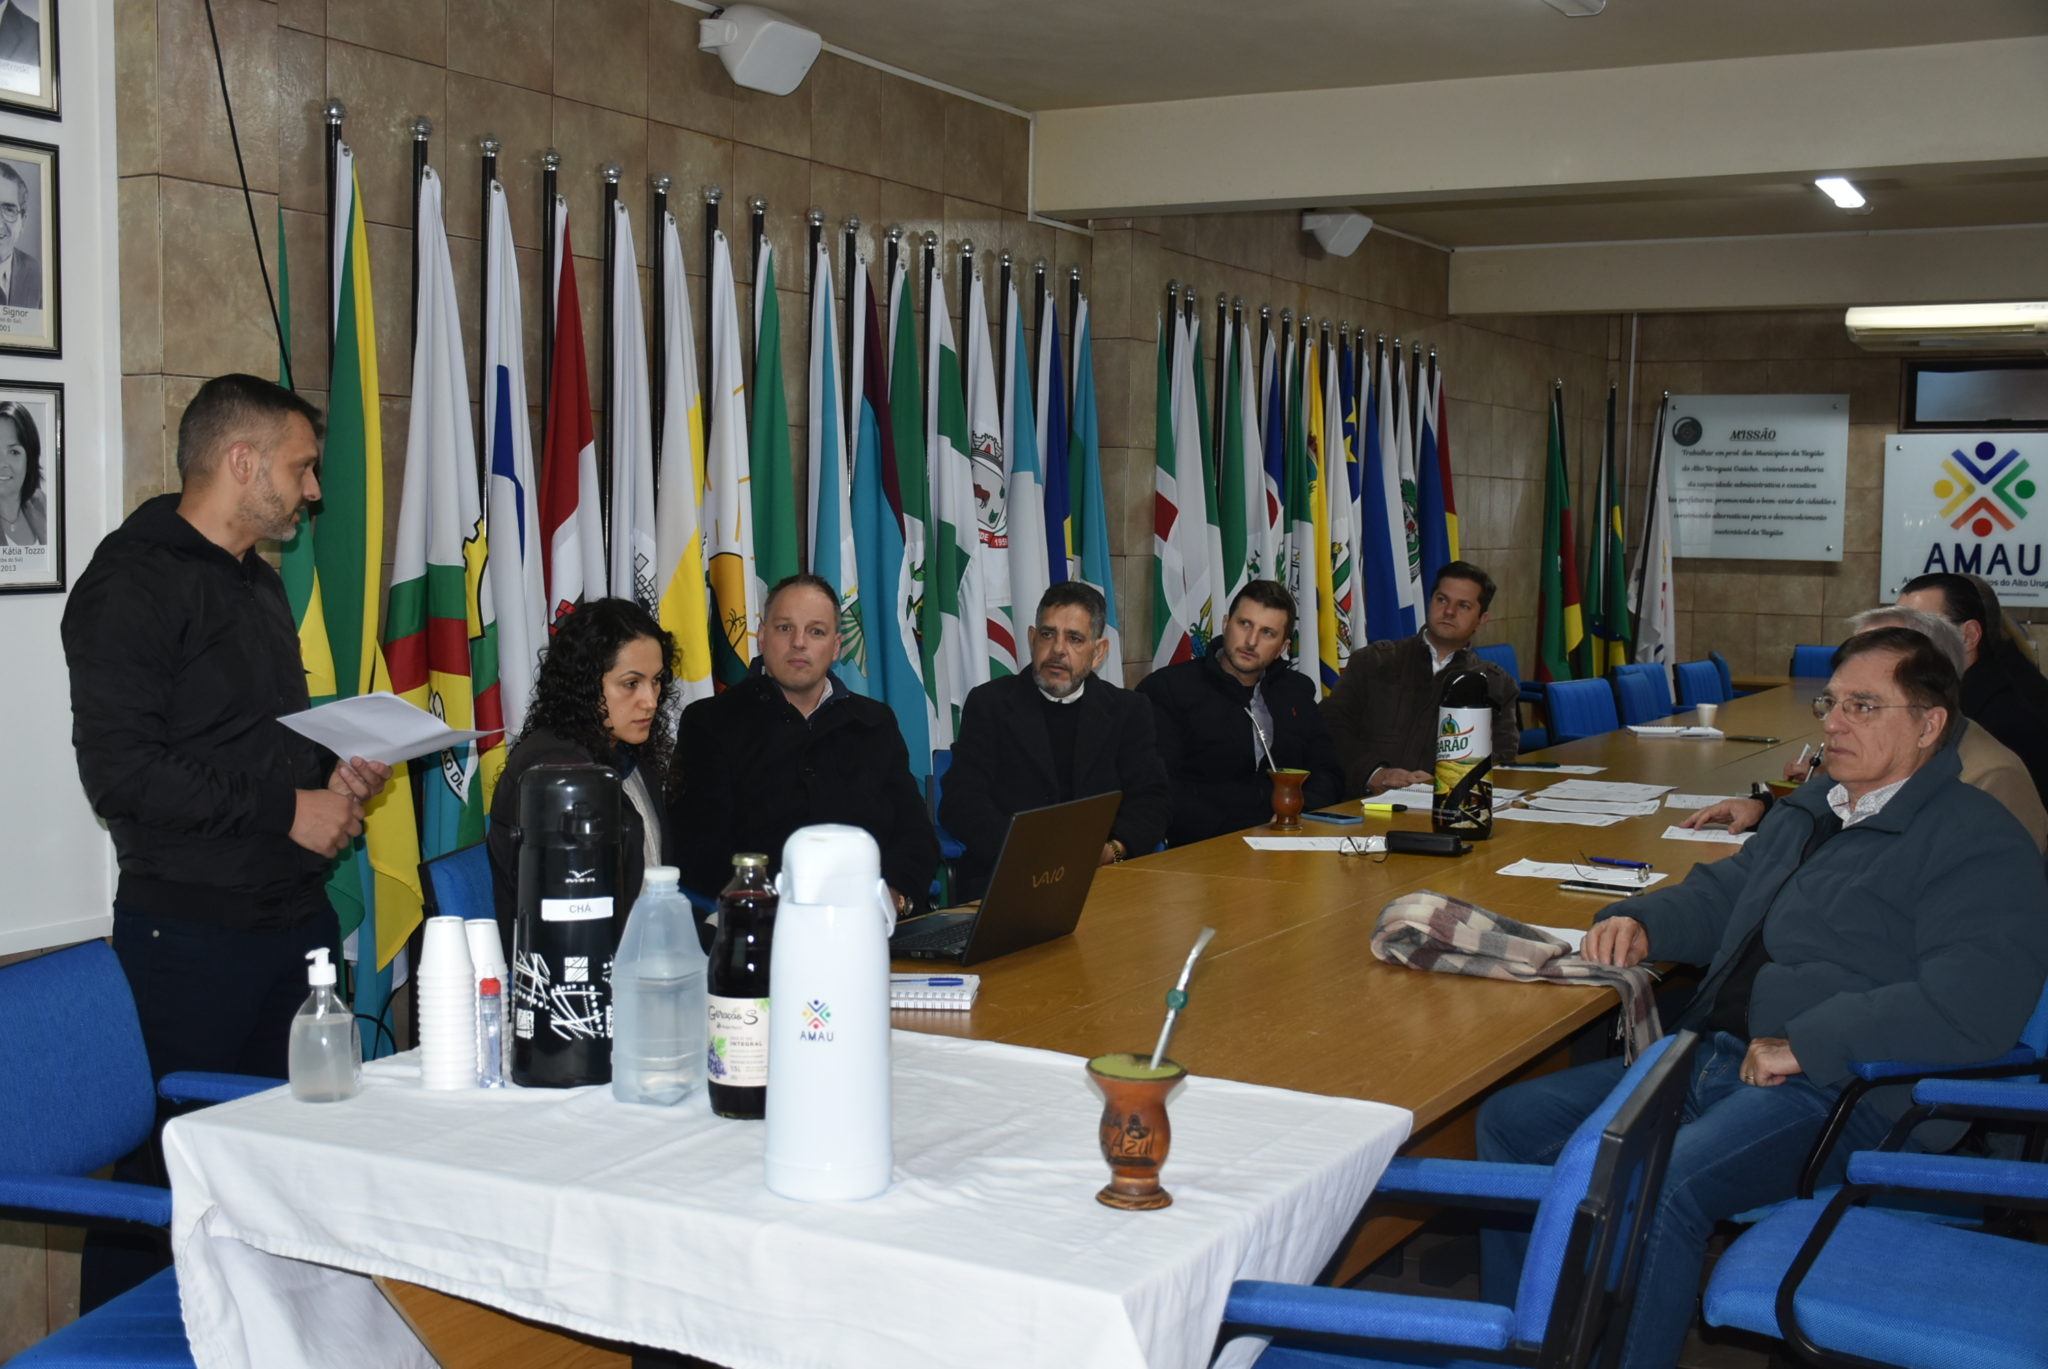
{"x":1758,"y":477}
{"x":1967,"y":503}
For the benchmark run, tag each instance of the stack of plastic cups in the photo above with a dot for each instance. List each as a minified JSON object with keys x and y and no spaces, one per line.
{"x":487,"y":959}
{"x":447,"y":1026}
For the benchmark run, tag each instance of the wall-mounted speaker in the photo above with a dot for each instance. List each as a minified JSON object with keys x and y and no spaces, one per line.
{"x":1339,"y":232}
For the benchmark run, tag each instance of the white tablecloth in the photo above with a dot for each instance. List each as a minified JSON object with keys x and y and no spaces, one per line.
{"x":652,"y":1225}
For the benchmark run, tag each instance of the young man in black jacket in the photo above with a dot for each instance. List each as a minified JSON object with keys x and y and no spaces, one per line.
{"x":1229,"y":719}
{"x":1050,"y":734}
{"x":792,"y":746}
{"x":183,"y":656}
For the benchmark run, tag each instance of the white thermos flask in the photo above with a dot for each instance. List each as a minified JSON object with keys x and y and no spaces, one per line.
{"x":828,"y":1037}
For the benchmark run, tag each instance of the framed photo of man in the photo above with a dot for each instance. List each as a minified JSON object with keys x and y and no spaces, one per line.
{"x":30,"y":312}
{"x":28,"y":57}
{"x":31,"y":487}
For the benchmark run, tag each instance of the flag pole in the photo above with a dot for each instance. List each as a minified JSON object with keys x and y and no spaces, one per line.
{"x":816,"y":220}
{"x":490,"y":147}
{"x":1037,"y":299}
{"x":612,"y":172}
{"x":712,"y":195}
{"x":931,"y":273}
{"x":892,"y":247}
{"x":1003,"y":360}
{"x":657,"y":219}
{"x":849,"y":253}
{"x":550,"y":173}
{"x":966,"y":280}
{"x":335,"y":111}
{"x":1073,"y":322}
{"x":422,"y":129}
{"x":757,"y":229}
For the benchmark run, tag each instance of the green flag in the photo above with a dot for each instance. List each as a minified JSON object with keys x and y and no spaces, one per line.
{"x":1560,"y":630}
{"x":773,"y":487}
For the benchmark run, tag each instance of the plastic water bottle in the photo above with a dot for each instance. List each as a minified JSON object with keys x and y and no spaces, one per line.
{"x":325,"y":1060}
{"x":658,"y":997}
{"x":490,"y":1034}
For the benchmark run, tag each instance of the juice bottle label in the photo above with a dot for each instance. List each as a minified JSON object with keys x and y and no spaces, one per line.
{"x":736,"y":1050}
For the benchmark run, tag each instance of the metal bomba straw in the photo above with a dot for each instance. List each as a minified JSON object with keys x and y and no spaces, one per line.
{"x":1177,"y":996}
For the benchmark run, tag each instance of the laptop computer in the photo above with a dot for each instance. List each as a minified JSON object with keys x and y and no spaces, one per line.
{"x":1041,"y":879}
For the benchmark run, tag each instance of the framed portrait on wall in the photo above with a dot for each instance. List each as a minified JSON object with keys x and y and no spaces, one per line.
{"x":30,"y":311}
{"x":31,"y":487}
{"x":28,"y":57}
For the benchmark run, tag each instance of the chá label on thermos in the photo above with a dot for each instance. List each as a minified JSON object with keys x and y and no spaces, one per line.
{"x":736,"y":1045}
{"x":576,"y":909}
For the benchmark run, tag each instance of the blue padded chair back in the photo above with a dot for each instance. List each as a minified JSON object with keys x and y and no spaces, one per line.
{"x":1813,"y":662}
{"x":1727,"y":675}
{"x":1502,"y":655}
{"x":1659,"y":683}
{"x":1637,"y":699}
{"x":459,"y":883}
{"x":1579,"y":708}
{"x":76,"y":1092}
{"x":2034,"y":1035}
{"x":1586,"y":1240}
{"x":1700,"y":683}
{"x":951,"y":848}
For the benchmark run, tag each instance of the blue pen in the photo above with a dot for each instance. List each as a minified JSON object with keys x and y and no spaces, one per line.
{"x":933,"y":981}
{"x":1618,"y":864}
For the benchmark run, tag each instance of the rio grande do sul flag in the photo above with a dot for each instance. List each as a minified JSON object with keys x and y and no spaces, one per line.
{"x":685,"y":593}
{"x":440,"y":635}
{"x":571,"y":518}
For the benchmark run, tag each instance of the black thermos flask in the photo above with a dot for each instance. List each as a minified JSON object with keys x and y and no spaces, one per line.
{"x":562,"y":942}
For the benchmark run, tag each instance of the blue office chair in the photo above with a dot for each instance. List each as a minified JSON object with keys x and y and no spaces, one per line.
{"x":1700,"y":683}
{"x":459,"y":883}
{"x":1592,"y":1211}
{"x":1812,"y":662}
{"x":1636,"y":697}
{"x":75,"y":1095}
{"x":1579,"y":708}
{"x":1842,"y":1283}
{"x":1728,"y":689}
{"x":1658,"y":682}
{"x":1503,"y":655}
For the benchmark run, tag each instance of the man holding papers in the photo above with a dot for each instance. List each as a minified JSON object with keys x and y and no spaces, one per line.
{"x":183,"y":655}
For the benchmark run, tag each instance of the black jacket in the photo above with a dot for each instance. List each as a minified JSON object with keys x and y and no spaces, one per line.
{"x":2005,"y":694}
{"x":542,"y":747}
{"x":1003,"y":765}
{"x":1211,"y":749}
{"x":755,"y":770}
{"x":1383,"y":710}
{"x":182,"y":658}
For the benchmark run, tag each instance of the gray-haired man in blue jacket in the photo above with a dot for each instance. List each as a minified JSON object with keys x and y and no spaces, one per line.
{"x":1884,"y":911}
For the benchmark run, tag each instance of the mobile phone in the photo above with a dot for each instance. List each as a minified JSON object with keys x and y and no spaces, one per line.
{"x":1335,"y":815}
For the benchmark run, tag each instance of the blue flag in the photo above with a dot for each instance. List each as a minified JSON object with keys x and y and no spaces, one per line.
{"x":1091,"y":515}
{"x":1430,"y":519}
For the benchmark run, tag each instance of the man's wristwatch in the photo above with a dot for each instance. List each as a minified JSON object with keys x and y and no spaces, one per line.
{"x":1117,"y":851}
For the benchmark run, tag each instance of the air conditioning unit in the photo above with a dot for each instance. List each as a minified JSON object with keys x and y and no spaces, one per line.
{"x":1951,"y":327}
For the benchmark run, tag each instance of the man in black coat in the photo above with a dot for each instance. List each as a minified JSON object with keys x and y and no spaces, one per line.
{"x":1052,"y":734}
{"x":1227,"y":720}
{"x":2003,"y":692}
{"x":790,"y":747}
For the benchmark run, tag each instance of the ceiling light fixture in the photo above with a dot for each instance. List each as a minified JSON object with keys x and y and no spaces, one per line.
{"x":1838,"y":189}
{"x":1577,"y":9}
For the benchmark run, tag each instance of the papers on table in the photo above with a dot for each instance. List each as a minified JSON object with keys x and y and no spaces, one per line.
{"x":1573,"y":937}
{"x":1360,"y":844}
{"x":377,"y":727}
{"x":1696,"y":800}
{"x":1725,"y":838}
{"x":1420,"y":796}
{"x":1556,"y":815}
{"x":1705,"y":734}
{"x":1618,"y":807}
{"x":1584,"y":874}
{"x":1556,"y":769}
{"x":1612,"y":791}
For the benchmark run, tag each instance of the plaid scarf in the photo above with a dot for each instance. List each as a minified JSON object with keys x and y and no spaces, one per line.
{"x":1432,"y":931}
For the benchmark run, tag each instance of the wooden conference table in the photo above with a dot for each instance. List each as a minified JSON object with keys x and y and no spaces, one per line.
{"x":1288,"y":994}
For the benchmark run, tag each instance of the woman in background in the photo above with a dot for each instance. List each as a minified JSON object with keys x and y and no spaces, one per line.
{"x":24,"y":504}
{"x":602,"y":697}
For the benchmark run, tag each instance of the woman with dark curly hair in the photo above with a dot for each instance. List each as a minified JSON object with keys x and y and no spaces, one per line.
{"x":24,"y":507}
{"x":601,"y":697}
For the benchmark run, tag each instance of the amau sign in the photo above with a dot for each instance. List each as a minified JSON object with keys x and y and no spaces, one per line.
{"x":1968,"y":503}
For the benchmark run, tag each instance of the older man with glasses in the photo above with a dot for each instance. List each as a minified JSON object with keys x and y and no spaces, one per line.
{"x":1884,"y":911}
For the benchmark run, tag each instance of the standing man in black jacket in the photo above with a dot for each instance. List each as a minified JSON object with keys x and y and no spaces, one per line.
{"x":183,"y":656}
{"x":1053,"y":733}
{"x":1227,"y":720}
{"x":792,"y":746}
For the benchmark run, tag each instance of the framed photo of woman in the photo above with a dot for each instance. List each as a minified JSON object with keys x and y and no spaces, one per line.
{"x":28,"y":57}
{"x":31,"y":487}
{"x":30,"y":314}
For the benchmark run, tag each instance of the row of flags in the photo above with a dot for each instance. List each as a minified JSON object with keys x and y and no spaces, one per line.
{"x":946,"y":493}
{"x":1325,"y":465}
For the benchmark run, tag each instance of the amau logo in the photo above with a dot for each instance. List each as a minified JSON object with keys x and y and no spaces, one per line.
{"x":817,"y":1015}
{"x":1986,"y":494}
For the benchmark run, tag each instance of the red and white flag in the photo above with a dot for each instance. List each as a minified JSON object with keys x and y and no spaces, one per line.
{"x":571,"y":518}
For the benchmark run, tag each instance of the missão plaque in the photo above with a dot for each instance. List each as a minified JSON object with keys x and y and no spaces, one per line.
{"x":1758,"y":477}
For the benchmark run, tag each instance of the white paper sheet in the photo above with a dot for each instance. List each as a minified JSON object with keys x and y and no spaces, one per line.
{"x":1556,"y":769}
{"x":1359,"y":843}
{"x":1617,"y":791}
{"x":377,"y":727}
{"x":1617,"y":807}
{"x":1696,"y":800}
{"x":1703,"y":734}
{"x":1555,"y":815}
{"x":1713,"y":834}
{"x":1585,"y":874}
{"x":1573,"y":937}
{"x":1420,"y":796}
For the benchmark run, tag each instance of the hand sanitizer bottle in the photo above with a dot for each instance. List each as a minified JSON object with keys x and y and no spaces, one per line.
{"x":326,"y":1061}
